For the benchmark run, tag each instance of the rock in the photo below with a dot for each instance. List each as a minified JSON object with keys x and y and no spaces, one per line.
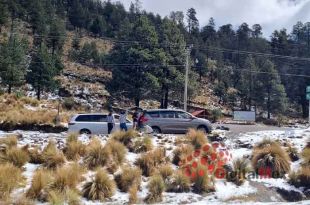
{"x":290,"y":195}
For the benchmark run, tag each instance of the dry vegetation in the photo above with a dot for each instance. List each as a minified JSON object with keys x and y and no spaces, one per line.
{"x":300,"y":178}
{"x":125,"y":137}
{"x":156,"y":187}
{"x":100,"y":187}
{"x":181,"y":152}
{"x":129,"y":176}
{"x":52,"y":156}
{"x":179,"y":183}
{"x":10,"y":178}
{"x":270,"y":155}
{"x":13,"y":110}
{"x":241,"y":167}
{"x":143,"y":144}
{"x":150,"y":160}
{"x":197,"y":138}
{"x":96,"y":154}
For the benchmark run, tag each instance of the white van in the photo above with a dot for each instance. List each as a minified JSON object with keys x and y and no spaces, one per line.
{"x":96,"y":123}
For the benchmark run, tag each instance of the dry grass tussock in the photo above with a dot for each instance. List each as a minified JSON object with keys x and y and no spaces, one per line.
{"x":165,"y":170}
{"x":9,"y":141}
{"x":118,"y":151}
{"x":133,"y":194}
{"x":306,"y":156}
{"x":128,"y":177}
{"x":40,"y":180}
{"x":179,"y":183}
{"x":66,"y":177}
{"x":74,"y":149}
{"x":143,"y":144}
{"x":100,"y":187}
{"x":181,"y":152}
{"x":150,"y":160}
{"x":23,"y":200}
{"x":156,"y":187}
{"x":10,"y":178}
{"x":96,"y":154}
{"x":17,"y":156}
{"x":125,"y":137}
{"x":271,"y":156}
{"x":202,"y":181}
{"x":241,"y":167}
{"x":197,"y":138}
{"x":35,"y":155}
{"x":52,"y":157}
{"x":300,"y":178}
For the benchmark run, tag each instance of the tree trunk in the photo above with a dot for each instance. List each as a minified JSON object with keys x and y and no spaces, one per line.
{"x":268,"y":104}
{"x":10,"y":89}
{"x":137,"y":102}
{"x":304,"y":106}
{"x":166,"y":100}
{"x":39,"y":92}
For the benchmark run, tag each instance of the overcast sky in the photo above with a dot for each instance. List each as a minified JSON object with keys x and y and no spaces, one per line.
{"x":271,"y":14}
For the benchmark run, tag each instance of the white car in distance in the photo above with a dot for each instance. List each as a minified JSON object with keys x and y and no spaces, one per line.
{"x":96,"y":123}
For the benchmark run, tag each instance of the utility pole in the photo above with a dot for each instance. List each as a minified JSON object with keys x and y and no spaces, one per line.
{"x":188,"y":53}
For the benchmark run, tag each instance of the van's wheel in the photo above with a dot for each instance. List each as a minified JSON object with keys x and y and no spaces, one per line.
{"x":85,"y":131}
{"x":203,"y":129}
{"x":156,"y":130}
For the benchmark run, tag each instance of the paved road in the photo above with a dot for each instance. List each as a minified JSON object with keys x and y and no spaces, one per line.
{"x":235,"y":129}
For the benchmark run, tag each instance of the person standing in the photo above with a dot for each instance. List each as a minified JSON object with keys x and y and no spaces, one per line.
{"x":111,"y":122}
{"x":135,"y":117}
{"x":141,"y":121}
{"x":123,"y":120}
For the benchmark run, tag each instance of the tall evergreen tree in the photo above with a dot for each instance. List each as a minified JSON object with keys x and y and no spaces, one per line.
{"x":42,"y":71}
{"x":13,"y":62}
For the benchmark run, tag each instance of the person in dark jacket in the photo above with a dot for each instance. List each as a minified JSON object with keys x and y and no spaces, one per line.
{"x":135,"y":117}
{"x":111,"y":122}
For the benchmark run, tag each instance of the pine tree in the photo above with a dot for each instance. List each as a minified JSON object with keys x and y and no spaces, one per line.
{"x":135,"y":82}
{"x":4,"y":13}
{"x":42,"y":71}
{"x":13,"y":62}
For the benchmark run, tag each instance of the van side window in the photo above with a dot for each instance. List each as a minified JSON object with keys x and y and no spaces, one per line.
{"x":83,"y":118}
{"x":99,"y":118}
{"x":183,"y":115}
{"x":153,"y":114}
{"x":167,"y":114}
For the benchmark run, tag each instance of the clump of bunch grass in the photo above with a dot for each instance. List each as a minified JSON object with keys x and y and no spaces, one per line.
{"x":300,"y":178}
{"x":17,"y":156}
{"x":100,"y":188}
{"x":39,"y":183}
{"x":150,"y":160}
{"x":305,"y":154}
{"x":128,"y":177}
{"x":9,"y":141}
{"x":35,"y":156}
{"x":241,"y":167}
{"x":66,"y":177}
{"x":179,"y":183}
{"x":202,"y":181}
{"x":292,"y":153}
{"x":265,"y":143}
{"x":23,"y":200}
{"x":56,"y":197}
{"x":165,"y":170}
{"x":133,"y":194}
{"x":74,"y":148}
{"x":181,"y":152}
{"x":10,"y":178}
{"x":96,"y":154}
{"x":143,"y":144}
{"x":125,"y":137}
{"x":52,"y":157}
{"x":271,"y":156}
{"x":156,"y":187}
{"x":196,"y":137}
{"x":118,"y":151}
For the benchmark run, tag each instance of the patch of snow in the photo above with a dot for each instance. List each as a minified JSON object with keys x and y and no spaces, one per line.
{"x":226,"y":190}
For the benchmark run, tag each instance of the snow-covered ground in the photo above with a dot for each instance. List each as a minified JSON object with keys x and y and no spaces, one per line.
{"x":248,"y":193}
